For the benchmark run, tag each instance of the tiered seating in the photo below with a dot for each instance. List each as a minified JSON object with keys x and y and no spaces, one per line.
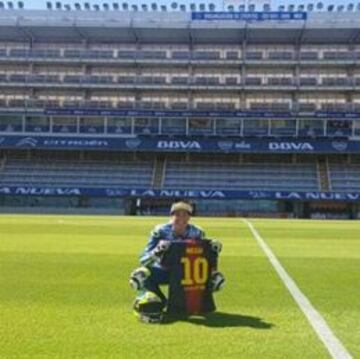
{"x":344,"y":177}
{"x":241,"y":176}
{"x":77,"y":173}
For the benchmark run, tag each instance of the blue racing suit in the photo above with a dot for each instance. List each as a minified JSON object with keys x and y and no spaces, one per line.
{"x":158,"y":274}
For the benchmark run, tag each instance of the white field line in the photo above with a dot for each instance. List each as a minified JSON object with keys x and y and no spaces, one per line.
{"x":322,"y":329}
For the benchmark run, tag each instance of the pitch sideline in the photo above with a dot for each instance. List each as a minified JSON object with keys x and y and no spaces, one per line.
{"x":320,"y":326}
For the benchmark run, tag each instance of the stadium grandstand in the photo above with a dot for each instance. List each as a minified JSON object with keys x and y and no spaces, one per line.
{"x":243,"y":107}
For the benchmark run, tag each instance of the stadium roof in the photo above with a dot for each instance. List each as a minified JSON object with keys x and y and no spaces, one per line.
{"x":172,"y":27}
{"x":185,"y":5}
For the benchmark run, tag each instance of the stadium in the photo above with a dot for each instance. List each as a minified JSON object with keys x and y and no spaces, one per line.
{"x":123,"y":111}
{"x":245,"y":108}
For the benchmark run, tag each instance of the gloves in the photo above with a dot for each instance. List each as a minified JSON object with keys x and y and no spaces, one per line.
{"x":160,"y":249}
{"x":216,"y":246}
{"x":138,"y":277}
{"x":217,"y":281}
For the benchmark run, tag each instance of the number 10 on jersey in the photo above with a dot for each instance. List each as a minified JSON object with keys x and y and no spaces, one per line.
{"x":195,"y":271}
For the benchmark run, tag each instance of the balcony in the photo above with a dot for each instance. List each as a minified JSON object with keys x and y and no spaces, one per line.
{"x":210,"y":57}
{"x":338,"y":55}
{"x":337,"y":82}
{"x":281,"y":55}
{"x":308,"y":55}
{"x":280,"y":81}
{"x":161,"y":82}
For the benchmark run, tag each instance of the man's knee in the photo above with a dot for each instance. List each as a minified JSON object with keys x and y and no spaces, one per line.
{"x":158,"y":276}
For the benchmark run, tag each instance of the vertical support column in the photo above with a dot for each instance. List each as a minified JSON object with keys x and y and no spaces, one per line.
{"x":296,"y":79}
{"x":105,"y":125}
{"x":138,"y":71}
{"x":350,"y":70}
{"x":297,"y":128}
{"x":160,"y":126}
{"x":242,"y":70}
{"x":23,"y":123}
{"x":132,"y":125}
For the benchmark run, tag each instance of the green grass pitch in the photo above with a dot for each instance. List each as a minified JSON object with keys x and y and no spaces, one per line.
{"x":64,"y":290}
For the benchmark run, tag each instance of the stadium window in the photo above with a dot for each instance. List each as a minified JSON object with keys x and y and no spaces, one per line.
{"x":154,"y":6}
{"x":340,"y":8}
{"x":11,"y":123}
{"x":193,"y":7}
{"x":106,"y":6}
{"x":319,"y":5}
{"x":266,"y":7}
{"x":77,"y":6}
{"x":91,"y":125}
{"x":146,"y":126}
{"x":134,"y":7}
{"x":183,"y":7}
{"x":310,"y":7}
{"x":330,"y":8}
{"x":87,"y":6}
{"x":163,"y":8}
{"x":119,"y":125}
{"x":173,"y":126}
{"x":20,"y":5}
{"x":96,"y":7}
{"x":281,"y":8}
{"x":358,"y":6}
{"x":230,"y":8}
{"x":350,"y":7}
{"x":356,"y":127}
{"x":174,"y":5}
{"x":10,"y":5}
{"x":301,"y":7}
{"x":291,"y":7}
{"x":115,"y":6}
{"x":283,"y":127}
{"x":228,"y":126}
{"x":212,"y":7}
{"x":311,"y":127}
{"x":58,"y":5}
{"x":241,"y":8}
{"x":1,"y":5}
{"x":202,"y":7}
{"x":67,"y":7}
{"x":64,"y":124}
{"x":144,"y":7}
{"x":37,"y":124}
{"x":251,"y":7}
{"x":125,"y":6}
{"x":201,"y":126}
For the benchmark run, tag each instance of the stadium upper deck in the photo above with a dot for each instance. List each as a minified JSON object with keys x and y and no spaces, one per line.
{"x":93,"y":76}
{"x":296,"y":74}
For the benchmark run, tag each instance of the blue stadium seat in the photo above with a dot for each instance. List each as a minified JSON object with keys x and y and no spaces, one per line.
{"x":69,"y":173}
{"x":197,"y":175}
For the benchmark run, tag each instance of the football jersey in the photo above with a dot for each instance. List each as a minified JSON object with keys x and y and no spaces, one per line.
{"x":166,"y":232}
{"x":190,"y":263}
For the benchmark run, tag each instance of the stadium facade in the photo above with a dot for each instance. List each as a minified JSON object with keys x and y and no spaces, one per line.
{"x":243,"y":107}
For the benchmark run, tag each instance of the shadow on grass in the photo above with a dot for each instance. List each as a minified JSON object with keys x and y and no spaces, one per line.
{"x":221,"y":320}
